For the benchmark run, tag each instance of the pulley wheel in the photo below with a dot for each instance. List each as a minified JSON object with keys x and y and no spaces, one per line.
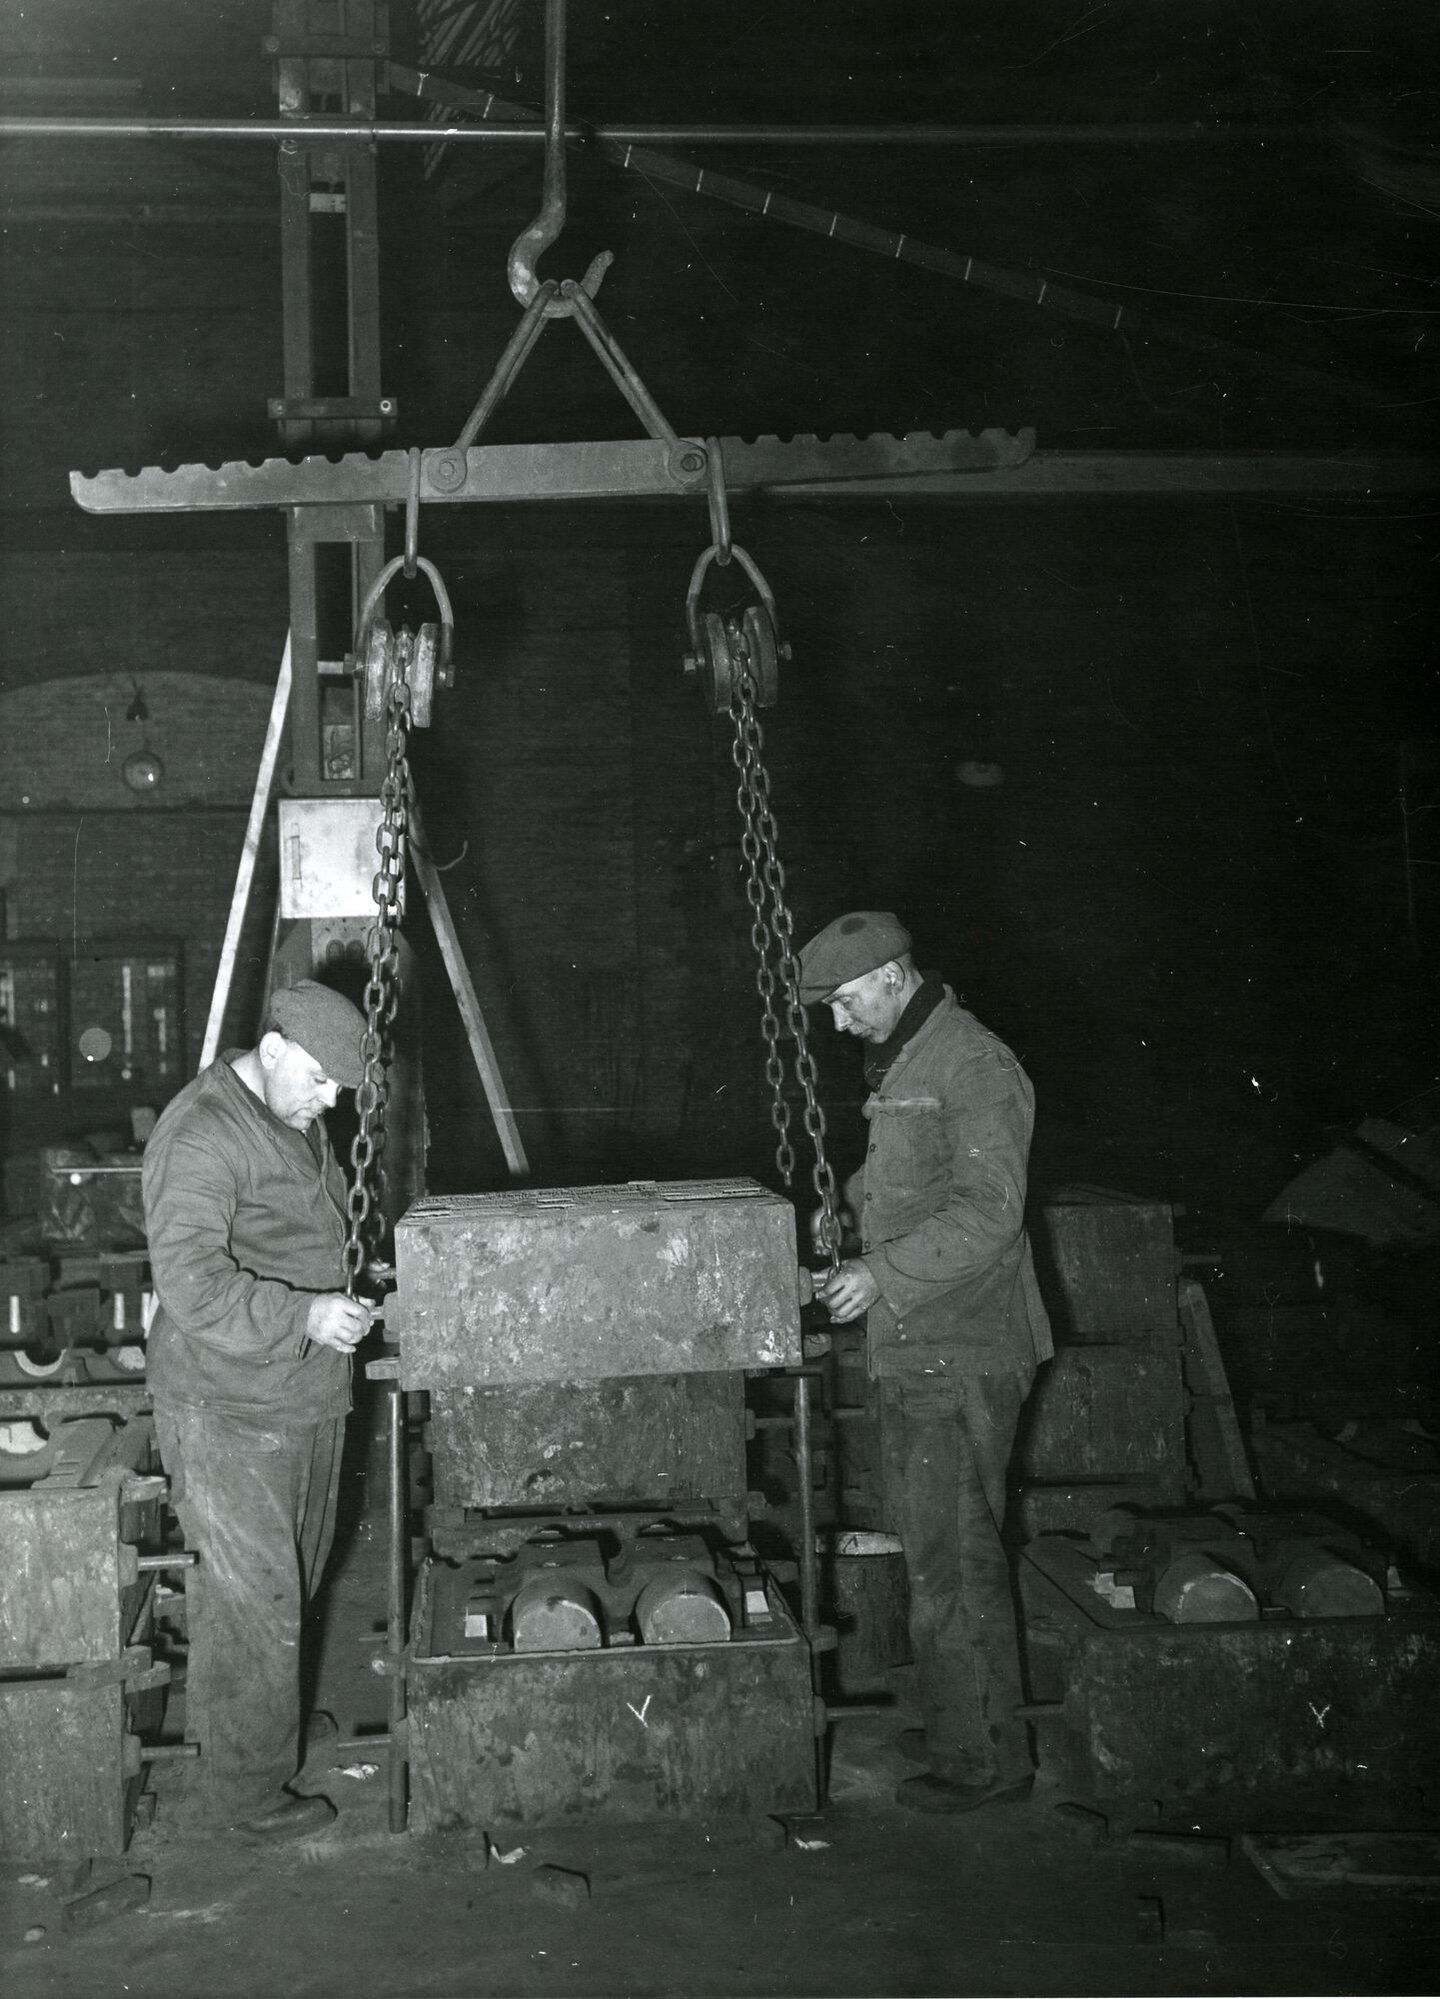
{"x":764,"y":656}
{"x":423,"y":664}
{"x":717,"y":668}
{"x":375,"y":666}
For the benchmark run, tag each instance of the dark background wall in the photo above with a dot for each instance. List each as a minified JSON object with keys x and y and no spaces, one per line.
{"x":1200,"y":903}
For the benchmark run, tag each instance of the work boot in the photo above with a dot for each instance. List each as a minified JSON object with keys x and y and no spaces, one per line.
{"x":938,"y":1794}
{"x":292,"y":1818}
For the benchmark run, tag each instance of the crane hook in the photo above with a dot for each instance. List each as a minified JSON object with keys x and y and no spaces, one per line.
{"x":532,"y":242}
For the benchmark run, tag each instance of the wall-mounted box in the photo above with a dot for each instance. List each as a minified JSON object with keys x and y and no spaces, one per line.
{"x":328,"y":857}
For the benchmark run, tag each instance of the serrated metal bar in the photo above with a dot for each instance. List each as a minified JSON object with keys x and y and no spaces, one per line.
{"x":630,"y":468}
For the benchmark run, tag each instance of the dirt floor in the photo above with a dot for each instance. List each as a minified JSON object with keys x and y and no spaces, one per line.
{"x":866,"y":1899}
{"x":871,"y":1900}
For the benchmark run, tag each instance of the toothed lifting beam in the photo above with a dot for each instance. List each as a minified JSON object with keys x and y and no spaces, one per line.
{"x":638,"y":468}
{"x":996,"y":464}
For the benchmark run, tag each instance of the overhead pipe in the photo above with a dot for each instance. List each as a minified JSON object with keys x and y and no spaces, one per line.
{"x":357,"y":131}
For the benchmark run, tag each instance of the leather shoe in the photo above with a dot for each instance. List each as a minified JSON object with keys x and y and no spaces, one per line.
{"x":937,"y":1794}
{"x":293,"y":1818}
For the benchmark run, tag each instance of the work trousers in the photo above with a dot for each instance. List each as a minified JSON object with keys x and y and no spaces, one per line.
{"x":945,"y":1446}
{"x":256,"y":1500}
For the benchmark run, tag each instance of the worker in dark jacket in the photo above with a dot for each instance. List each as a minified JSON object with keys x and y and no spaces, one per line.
{"x":955,"y":1330}
{"x":249,"y":1360}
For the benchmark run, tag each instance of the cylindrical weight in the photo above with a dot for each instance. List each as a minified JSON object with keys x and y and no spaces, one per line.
{"x":1319,"y":1584}
{"x":682,"y":1607}
{"x":1196,"y":1589}
{"x":550,"y":1613}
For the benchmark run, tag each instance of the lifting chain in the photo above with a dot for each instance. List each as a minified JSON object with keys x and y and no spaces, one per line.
{"x":401,"y":671}
{"x":772,"y":933}
{"x":365,"y":1202}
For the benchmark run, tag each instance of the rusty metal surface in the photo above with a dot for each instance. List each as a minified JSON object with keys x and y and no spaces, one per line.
{"x":67,"y":1780}
{"x":1113,"y":1267}
{"x":1315,"y":1720}
{"x":71,"y":1589}
{"x":615,"y":469}
{"x":122,"y":1396}
{"x":590,"y":1283}
{"x":635,"y":1733}
{"x":642,"y":1440}
{"x":1296,"y":1462}
{"x":1107,"y":1412}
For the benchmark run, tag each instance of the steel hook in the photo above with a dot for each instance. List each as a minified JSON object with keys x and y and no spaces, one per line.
{"x":532,"y":242}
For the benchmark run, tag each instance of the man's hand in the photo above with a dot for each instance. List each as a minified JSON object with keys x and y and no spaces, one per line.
{"x":848,"y":1291}
{"x":337,"y":1321}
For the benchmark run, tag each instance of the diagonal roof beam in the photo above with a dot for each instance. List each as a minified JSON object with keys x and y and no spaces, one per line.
{"x":894,"y":245}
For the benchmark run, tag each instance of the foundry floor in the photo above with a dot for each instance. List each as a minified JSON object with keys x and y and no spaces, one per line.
{"x":868,"y":1900}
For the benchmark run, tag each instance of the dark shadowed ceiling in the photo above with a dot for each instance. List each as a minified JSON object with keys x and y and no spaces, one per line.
{"x":1285,"y":205}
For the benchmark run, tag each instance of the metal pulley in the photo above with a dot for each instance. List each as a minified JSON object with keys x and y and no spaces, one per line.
{"x":723,"y":651}
{"x":423,"y":659}
{"x":415,"y":657}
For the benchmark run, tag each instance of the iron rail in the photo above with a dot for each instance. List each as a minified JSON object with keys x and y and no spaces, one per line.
{"x":312,"y":131}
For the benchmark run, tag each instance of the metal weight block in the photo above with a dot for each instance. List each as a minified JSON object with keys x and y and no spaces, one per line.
{"x":623,"y":1732}
{"x":575,"y":1284}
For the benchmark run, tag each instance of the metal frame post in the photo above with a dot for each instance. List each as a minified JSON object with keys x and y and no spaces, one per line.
{"x":324,"y":180}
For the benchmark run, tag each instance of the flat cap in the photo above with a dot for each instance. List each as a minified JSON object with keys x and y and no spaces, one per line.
{"x":848,"y":948}
{"x":326,"y":1026}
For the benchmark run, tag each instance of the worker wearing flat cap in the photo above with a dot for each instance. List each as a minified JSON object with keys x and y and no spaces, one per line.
{"x":955,"y":1329}
{"x":249,"y":1361}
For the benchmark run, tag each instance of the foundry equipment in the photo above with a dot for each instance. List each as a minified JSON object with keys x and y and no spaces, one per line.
{"x":593,"y":1633}
{"x":1190,"y":1651}
{"x":649,"y":1579}
{"x":591,"y":1617}
{"x":80,"y":1686}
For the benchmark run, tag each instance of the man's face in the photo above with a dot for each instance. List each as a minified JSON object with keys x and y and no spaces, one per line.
{"x":869,"y":1007}
{"x":297,"y":1089}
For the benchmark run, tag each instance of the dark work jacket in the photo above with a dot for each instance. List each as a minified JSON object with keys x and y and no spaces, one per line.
{"x":940,"y":1204}
{"x":245,"y":1220}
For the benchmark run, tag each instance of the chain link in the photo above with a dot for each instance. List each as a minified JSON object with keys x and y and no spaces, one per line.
{"x":772,"y":933}
{"x":365,"y":1203}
